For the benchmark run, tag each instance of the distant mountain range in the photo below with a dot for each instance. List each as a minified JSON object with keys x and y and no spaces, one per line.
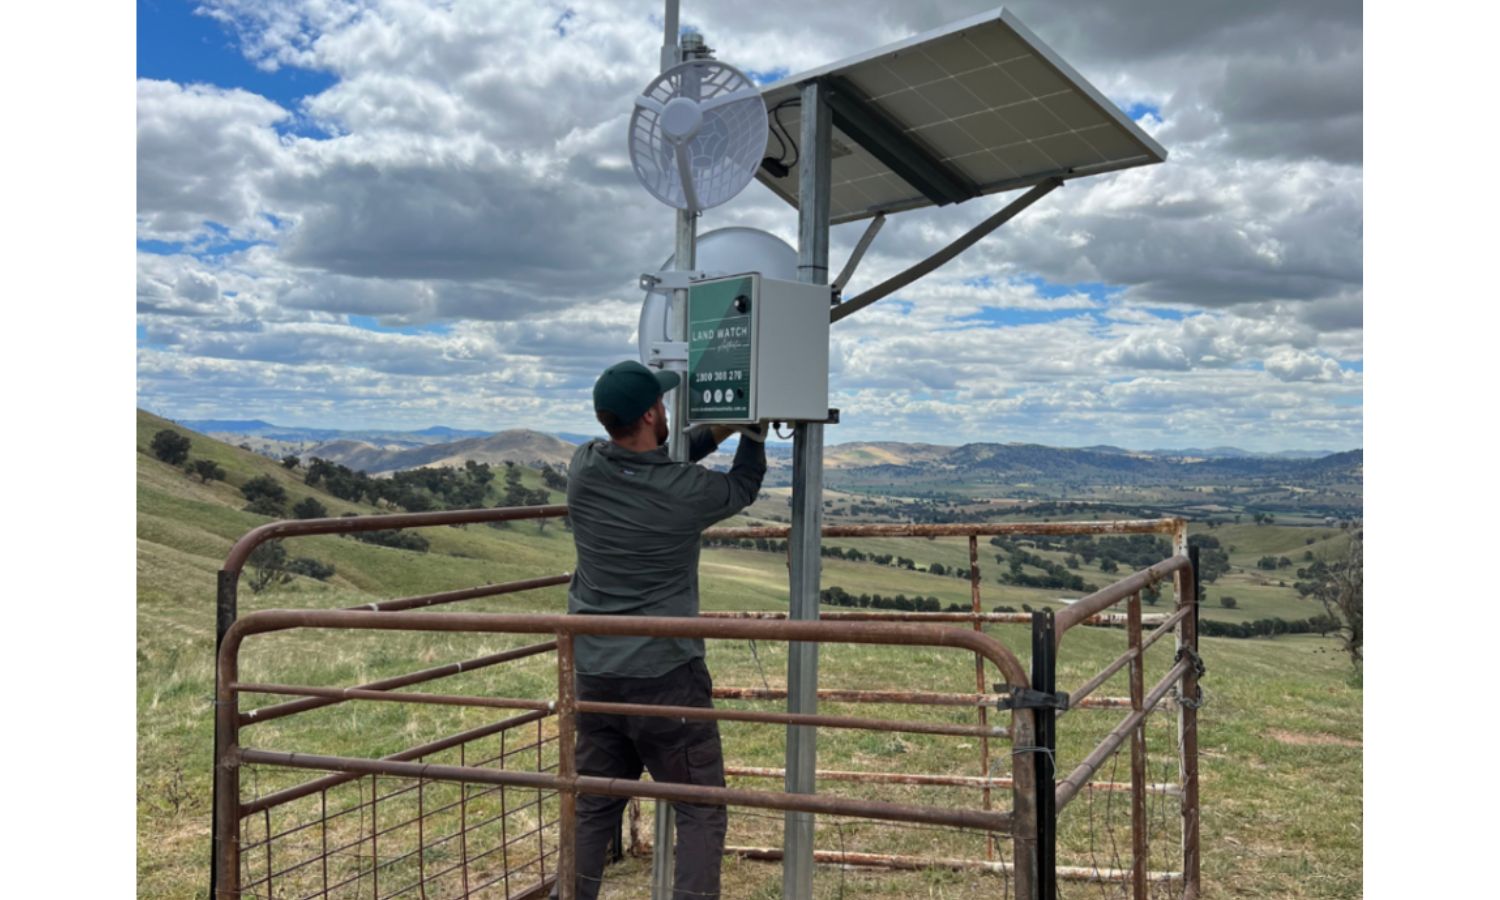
{"x":887,"y":462}
{"x":297,"y":434}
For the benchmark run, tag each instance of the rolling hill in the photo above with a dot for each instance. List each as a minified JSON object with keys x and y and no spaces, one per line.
{"x":185,"y":528}
{"x":521,"y":446}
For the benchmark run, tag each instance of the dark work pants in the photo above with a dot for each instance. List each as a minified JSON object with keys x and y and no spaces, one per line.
{"x":672,"y":750}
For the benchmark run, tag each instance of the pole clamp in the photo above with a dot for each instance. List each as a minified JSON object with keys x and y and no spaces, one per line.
{"x":1012,"y":697}
{"x":668,"y":355}
{"x":671,"y":280}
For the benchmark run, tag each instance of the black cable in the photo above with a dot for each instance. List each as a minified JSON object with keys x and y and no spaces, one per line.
{"x":780,"y":157}
{"x":775,"y":116}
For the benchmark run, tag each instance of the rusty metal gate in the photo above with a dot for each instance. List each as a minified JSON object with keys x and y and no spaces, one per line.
{"x":488,"y":811}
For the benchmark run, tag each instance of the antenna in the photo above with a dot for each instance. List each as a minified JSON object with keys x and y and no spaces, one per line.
{"x":724,"y":251}
{"x":698,"y":134}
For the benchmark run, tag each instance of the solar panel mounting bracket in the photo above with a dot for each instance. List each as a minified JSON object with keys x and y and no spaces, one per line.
{"x":884,"y":139}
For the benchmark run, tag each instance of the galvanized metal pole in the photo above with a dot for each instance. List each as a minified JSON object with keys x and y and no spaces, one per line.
{"x":807,"y":506}
{"x":684,"y":258}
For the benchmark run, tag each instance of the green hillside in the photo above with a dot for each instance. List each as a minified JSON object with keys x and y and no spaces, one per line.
{"x":1281,"y":779}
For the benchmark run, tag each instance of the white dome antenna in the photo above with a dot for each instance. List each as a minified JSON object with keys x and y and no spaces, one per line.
{"x":698,"y":134}
{"x":724,"y":251}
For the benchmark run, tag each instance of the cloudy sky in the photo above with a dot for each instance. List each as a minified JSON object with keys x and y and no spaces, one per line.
{"x":397,"y":213}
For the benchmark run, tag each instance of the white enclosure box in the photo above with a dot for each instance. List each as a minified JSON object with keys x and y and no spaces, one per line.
{"x":757,"y":350}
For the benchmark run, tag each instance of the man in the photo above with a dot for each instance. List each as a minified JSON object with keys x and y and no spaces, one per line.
{"x":637,"y":520}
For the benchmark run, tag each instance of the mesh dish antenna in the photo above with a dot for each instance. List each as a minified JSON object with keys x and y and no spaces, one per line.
{"x":698,"y":134}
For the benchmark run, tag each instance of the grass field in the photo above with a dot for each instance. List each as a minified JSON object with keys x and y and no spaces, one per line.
{"x":1280,"y":734}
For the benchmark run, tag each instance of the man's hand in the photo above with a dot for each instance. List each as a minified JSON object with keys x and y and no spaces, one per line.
{"x":756,"y":432}
{"x":721,"y":433}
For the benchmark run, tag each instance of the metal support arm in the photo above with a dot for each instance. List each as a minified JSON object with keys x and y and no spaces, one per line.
{"x":859,"y":252}
{"x":970,"y":238}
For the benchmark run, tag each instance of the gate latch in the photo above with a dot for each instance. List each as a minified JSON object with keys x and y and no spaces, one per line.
{"x":1027,"y":698}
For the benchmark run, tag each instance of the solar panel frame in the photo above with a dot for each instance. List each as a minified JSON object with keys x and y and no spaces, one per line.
{"x":986,"y":97}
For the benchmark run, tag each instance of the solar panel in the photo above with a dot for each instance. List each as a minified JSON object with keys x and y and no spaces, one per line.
{"x":976,"y":107}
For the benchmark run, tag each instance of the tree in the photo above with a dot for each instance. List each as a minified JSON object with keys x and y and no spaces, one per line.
{"x":290,"y":462}
{"x":1340,"y":587}
{"x":306,"y":565}
{"x":269,"y":562}
{"x":309,"y":508}
{"x":1108,"y":566}
{"x":170,"y":447}
{"x":206,"y":469}
{"x":1151,"y":594}
{"x":554,"y":479}
{"x":1228,"y":602}
{"x":266,"y":496}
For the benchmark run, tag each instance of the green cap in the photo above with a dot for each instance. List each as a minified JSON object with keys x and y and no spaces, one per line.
{"x":628,"y":389}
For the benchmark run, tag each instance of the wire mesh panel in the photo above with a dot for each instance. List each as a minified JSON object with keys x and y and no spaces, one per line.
{"x":381,"y":836}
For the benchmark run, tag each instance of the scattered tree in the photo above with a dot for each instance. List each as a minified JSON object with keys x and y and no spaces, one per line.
{"x":170,"y":447}
{"x":554,"y":479}
{"x":1228,"y":602}
{"x":269,"y":564}
{"x":206,"y":469}
{"x":1340,"y":587}
{"x":309,"y":508}
{"x":266,"y":496}
{"x":401,"y":540}
{"x":1212,"y":560}
{"x":290,"y":462}
{"x":310,"y":567}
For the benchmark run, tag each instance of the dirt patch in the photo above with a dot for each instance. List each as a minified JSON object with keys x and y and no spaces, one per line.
{"x":1306,"y":740}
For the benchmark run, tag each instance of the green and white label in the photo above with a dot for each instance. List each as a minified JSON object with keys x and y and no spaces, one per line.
{"x":719,"y":350}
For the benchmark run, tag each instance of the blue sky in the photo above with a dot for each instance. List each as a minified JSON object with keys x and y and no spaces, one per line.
{"x":177,"y":44}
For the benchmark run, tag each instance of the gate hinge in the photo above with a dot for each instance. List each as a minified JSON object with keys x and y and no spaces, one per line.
{"x":1027,"y":698}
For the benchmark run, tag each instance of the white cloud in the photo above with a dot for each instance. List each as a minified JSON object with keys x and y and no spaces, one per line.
{"x":199,"y":153}
{"x":474,"y":176}
{"x":1297,"y":365}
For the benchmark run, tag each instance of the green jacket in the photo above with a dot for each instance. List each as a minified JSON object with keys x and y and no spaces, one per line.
{"x":638,"y":520}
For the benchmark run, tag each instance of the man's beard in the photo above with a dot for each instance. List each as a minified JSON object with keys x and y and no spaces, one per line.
{"x":661,"y":432}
